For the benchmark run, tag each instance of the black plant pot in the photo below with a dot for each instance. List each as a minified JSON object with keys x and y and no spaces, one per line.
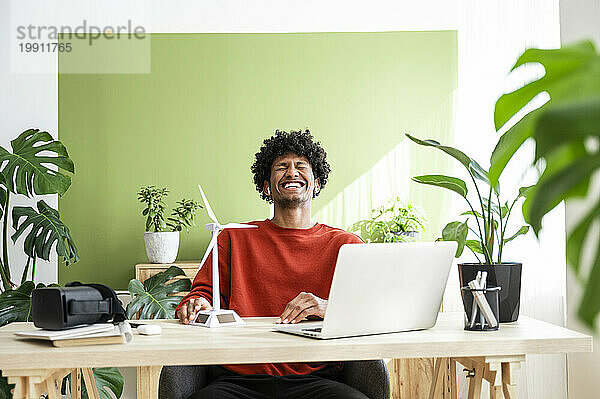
{"x":505,"y":275}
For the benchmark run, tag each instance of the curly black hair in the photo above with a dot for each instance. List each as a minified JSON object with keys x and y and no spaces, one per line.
{"x":297,"y":142}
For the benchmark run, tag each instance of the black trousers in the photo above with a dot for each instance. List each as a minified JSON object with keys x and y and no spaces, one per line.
{"x":322,"y":384}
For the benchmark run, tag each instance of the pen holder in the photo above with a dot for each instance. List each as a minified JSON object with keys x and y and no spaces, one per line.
{"x":475,"y":320}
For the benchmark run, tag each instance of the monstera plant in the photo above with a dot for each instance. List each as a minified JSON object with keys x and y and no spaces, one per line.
{"x":34,"y":167}
{"x":566,"y":131}
{"x":153,"y":299}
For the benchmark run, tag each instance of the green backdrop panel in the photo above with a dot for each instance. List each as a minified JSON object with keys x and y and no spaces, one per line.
{"x":206,"y":106}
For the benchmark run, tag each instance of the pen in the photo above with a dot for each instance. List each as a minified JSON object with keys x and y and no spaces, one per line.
{"x":484,"y":306}
{"x":474,"y":307}
{"x":482,"y":284}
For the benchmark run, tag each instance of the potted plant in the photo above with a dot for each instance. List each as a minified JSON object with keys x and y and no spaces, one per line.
{"x":488,"y":229}
{"x":566,"y":133}
{"x":162,"y":246}
{"x":395,"y":221}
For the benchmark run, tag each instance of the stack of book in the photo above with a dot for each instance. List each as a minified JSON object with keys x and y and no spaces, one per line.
{"x":93,"y":334}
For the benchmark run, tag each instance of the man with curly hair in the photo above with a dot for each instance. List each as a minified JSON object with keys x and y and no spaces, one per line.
{"x":284,"y":268}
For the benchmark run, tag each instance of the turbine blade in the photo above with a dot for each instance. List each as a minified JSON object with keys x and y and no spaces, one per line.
{"x":238,"y":226}
{"x":209,"y":210}
{"x":211,"y":244}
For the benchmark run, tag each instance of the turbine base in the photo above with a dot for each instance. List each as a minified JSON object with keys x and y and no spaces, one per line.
{"x":218,"y":318}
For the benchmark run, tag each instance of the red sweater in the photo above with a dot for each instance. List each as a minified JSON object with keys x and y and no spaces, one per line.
{"x":263,"y":269}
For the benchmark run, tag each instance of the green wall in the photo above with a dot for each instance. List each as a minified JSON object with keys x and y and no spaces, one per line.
{"x":206,"y":106}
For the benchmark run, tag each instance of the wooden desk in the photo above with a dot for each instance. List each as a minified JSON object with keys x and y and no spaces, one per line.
{"x":28,"y":363}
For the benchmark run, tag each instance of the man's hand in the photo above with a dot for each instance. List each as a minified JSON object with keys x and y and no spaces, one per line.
{"x":304,"y":305}
{"x":189,"y":310}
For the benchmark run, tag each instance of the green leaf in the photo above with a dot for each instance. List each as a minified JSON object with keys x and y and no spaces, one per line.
{"x":475,"y":246}
{"x":560,"y":129}
{"x":509,"y":143}
{"x":579,"y":117}
{"x":26,"y":171}
{"x":521,"y":231}
{"x":152,"y":297}
{"x":577,"y":236}
{"x":524,"y":191}
{"x":15,"y":305}
{"x":478,"y":172}
{"x":570,"y":75}
{"x":5,"y":387}
{"x":460,"y":156}
{"x":447,"y":182}
{"x":552,"y":189}
{"x":471,"y":213}
{"x":504,"y":211}
{"x":470,"y":164}
{"x":46,"y":230}
{"x":107,"y":379}
{"x":565,"y":68}
{"x":589,"y":307}
{"x":456,"y":231}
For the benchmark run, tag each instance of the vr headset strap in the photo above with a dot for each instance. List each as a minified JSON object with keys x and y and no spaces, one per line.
{"x":110,"y":306}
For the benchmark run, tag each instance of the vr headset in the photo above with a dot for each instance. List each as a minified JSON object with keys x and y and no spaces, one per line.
{"x":59,"y":308}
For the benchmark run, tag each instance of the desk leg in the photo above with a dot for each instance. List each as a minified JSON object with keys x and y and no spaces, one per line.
{"x":147,"y":382}
{"x":476,"y":382}
{"x":32,"y":383}
{"x":437,"y":379}
{"x":452,"y":379}
{"x":507,"y":386}
{"x":76,"y":384}
{"x":495,"y":380}
{"x":90,"y":383}
{"x":494,"y":369}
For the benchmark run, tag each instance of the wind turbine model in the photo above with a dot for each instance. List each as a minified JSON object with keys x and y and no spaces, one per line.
{"x":217,"y":317}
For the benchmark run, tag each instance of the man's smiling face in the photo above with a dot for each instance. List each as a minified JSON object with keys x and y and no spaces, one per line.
{"x":292,"y":181}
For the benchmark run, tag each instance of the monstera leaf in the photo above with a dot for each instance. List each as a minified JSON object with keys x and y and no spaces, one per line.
{"x":571,"y":76}
{"x":107,"y":379}
{"x":15,"y":305}
{"x":46,"y":229}
{"x":27,"y":171}
{"x":152,"y":298}
{"x":5,"y":388}
{"x":562,"y":129}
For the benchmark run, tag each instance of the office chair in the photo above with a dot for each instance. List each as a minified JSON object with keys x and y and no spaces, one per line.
{"x":368,"y":376}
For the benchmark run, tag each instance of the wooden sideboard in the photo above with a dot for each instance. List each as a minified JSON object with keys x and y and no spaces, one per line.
{"x":144,"y":271}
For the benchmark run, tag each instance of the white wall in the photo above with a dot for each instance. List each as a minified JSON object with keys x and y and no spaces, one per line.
{"x":581,"y":20}
{"x":27,"y":101}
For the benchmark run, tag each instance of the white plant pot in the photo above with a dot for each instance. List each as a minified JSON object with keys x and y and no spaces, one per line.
{"x":162,"y":247}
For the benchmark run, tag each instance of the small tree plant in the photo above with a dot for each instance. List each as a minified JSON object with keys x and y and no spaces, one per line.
{"x":154,"y":211}
{"x":182,"y":216}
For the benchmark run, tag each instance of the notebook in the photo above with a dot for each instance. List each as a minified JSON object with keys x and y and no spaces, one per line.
{"x":93,"y":334}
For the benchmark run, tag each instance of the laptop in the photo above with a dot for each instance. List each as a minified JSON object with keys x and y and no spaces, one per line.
{"x":383,"y":288}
